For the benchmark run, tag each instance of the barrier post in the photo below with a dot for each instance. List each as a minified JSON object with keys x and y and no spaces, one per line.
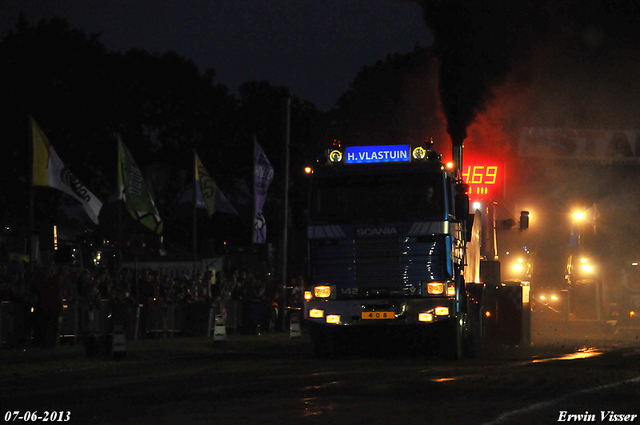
{"x":59,"y":330}
{"x":220,"y":329}
{"x":1,"y":314}
{"x":210,"y":321}
{"x":135,"y":335}
{"x":118,"y":343}
{"x":76,"y":322}
{"x":294,"y":327}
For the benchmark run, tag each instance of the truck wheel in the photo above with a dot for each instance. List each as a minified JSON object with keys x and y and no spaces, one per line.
{"x":451,"y":341}
{"x":323,"y":340}
{"x":474,"y":342}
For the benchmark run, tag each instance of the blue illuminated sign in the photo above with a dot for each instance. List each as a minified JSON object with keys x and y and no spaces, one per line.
{"x":372,"y":154}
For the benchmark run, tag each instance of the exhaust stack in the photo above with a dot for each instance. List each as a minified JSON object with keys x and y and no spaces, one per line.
{"x":457,"y":158}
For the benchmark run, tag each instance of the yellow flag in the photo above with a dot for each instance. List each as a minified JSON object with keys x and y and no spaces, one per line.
{"x":48,"y":170}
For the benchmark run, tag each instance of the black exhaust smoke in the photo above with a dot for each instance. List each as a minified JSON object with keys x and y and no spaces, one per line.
{"x":476,"y":43}
{"x":480,"y":43}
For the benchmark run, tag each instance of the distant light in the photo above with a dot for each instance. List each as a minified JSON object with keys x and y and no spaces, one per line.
{"x":477,"y":206}
{"x":449,"y":165}
{"x":634,"y":264}
{"x":578,"y":216}
{"x":587,"y":268}
{"x":308,"y":170}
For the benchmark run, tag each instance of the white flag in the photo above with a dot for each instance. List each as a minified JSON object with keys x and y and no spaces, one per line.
{"x":48,"y":170}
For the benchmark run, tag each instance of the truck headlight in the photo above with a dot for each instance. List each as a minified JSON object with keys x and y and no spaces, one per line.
{"x":451,"y":289}
{"x":442,"y":311}
{"x":425,"y":317}
{"x":435,"y":288}
{"x":322,"y":291}
{"x":316,"y":313}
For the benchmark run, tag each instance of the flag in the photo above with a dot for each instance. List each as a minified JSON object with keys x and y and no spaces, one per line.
{"x":48,"y":170}
{"x":208,"y":195}
{"x":134,"y":192}
{"x":262,"y":176}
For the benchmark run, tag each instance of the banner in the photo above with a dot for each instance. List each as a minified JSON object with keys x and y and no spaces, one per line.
{"x":208,"y":194}
{"x":580,"y":144}
{"x":133,"y":190}
{"x":262,"y":176}
{"x":48,"y":170}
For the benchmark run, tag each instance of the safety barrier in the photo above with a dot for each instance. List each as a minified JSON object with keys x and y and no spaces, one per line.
{"x":160,"y":319}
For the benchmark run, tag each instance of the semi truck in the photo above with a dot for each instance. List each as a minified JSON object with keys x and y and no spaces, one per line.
{"x":395,"y":253}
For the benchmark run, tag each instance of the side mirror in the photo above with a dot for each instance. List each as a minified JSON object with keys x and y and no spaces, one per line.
{"x":524,"y":220}
{"x":505,"y":224}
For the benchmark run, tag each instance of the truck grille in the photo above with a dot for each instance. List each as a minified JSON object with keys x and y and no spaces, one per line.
{"x":378,"y":261}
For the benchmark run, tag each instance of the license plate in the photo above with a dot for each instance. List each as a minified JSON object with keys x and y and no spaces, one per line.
{"x":378,"y":315}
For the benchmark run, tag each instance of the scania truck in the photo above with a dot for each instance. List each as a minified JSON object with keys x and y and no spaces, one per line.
{"x":394,"y":251}
{"x":389,"y":234}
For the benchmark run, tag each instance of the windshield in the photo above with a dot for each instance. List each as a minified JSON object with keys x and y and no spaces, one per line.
{"x":378,"y":197}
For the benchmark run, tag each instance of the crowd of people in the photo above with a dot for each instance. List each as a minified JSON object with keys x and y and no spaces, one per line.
{"x":37,"y":294}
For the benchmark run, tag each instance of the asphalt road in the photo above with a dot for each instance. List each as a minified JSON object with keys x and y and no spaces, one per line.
{"x":275,"y":379}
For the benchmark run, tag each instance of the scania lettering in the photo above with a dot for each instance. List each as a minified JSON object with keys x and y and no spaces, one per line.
{"x":375,"y":232}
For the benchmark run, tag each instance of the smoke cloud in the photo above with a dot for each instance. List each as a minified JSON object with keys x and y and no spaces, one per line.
{"x":575,"y":49}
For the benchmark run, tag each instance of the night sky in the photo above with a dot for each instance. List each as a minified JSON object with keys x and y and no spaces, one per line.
{"x":313,"y":47}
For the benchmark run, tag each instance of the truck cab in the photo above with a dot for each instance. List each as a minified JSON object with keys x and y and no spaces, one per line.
{"x":388,"y":231}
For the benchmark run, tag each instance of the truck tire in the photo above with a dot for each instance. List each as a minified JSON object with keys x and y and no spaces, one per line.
{"x":476,"y":323}
{"x":324,"y":341}
{"x":474,"y":341}
{"x":451,"y":339}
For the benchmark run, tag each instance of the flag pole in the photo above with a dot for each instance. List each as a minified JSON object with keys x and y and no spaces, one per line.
{"x":287,"y":124}
{"x":195,"y":201}
{"x":120,"y":201}
{"x":30,"y":281}
{"x":253,"y":190}
{"x":31,"y":191}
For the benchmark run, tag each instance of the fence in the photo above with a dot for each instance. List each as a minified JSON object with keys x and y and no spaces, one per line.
{"x":161,"y":319}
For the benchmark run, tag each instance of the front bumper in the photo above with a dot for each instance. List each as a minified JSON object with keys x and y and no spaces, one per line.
{"x":368,"y":312}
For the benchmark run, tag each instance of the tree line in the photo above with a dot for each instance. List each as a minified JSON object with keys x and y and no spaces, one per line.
{"x":164,"y":107}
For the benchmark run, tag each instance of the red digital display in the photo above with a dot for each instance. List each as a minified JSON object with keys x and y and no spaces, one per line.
{"x":485,"y":181}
